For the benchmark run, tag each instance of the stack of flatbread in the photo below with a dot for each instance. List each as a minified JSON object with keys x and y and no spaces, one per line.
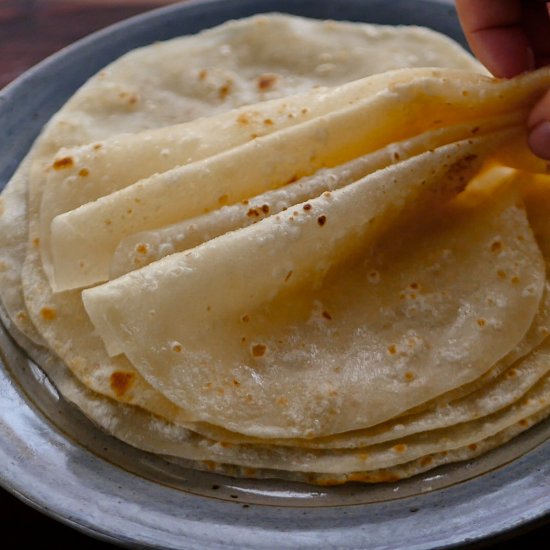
{"x":282,"y":248}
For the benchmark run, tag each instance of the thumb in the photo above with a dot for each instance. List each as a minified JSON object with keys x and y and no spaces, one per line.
{"x":538,"y":125}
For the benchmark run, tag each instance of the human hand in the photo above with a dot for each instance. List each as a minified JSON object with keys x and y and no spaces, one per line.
{"x":510,"y":37}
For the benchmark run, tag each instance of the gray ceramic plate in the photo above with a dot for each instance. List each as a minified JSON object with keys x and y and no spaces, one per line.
{"x":55,"y":460}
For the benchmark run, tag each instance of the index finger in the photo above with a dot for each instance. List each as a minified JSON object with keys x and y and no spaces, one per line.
{"x":494,"y":30}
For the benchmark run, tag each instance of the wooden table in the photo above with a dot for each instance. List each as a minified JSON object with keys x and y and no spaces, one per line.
{"x":30,"y":30}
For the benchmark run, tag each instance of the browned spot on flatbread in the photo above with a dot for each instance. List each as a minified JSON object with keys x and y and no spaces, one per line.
{"x":374,"y":477}
{"x":243,"y":119}
{"x":225,"y":89}
{"x":266,"y":82}
{"x":511,"y":373}
{"x":258,"y":350}
{"x":63,"y":163}
{"x":121,"y":382}
{"x":48,"y":313}
{"x":132,"y":99}
{"x":142,"y":248}
{"x":426,"y":461}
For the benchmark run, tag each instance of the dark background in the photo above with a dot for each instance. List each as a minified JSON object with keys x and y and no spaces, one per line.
{"x":30,"y":30}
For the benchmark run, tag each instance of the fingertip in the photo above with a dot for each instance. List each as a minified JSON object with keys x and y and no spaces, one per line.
{"x":505,"y":52}
{"x":538,"y":139}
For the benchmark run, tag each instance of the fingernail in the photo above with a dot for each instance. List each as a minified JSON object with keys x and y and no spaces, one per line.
{"x":539,"y":140}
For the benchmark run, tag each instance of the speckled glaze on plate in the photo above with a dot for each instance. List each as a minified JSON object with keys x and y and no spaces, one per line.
{"x":53,"y":458}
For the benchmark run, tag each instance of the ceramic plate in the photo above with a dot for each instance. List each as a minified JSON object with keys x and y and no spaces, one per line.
{"x":56,"y":460}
